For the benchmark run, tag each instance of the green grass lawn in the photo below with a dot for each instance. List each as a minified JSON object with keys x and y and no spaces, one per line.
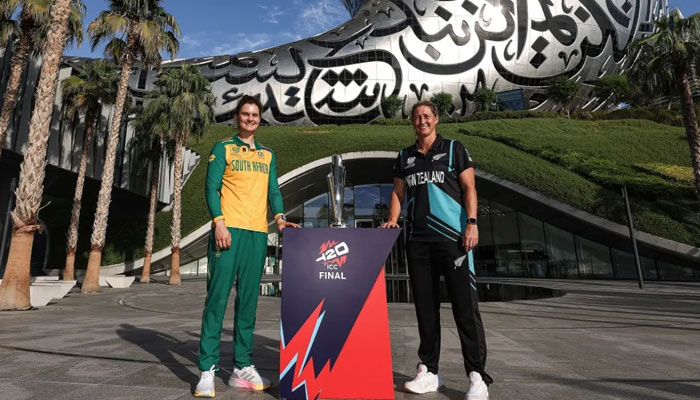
{"x":640,"y":154}
{"x":577,"y":162}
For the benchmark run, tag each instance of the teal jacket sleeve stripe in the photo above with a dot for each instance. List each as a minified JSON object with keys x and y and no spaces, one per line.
{"x":215,"y":174}
{"x":274,"y":195}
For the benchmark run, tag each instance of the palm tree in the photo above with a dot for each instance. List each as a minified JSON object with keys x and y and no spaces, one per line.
{"x":14,"y":289}
{"x":183,"y":97}
{"x":156,"y":150}
{"x":134,"y":30}
{"x":152,"y":132}
{"x":32,"y":31}
{"x":95,"y":85}
{"x":665,"y":64}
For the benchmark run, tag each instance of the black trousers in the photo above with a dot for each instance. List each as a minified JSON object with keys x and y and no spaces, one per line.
{"x":427,"y":261}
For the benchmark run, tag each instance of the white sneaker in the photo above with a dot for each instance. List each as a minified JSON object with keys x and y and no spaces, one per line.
{"x":205,"y":386}
{"x":248,"y":378}
{"x":425,"y":381}
{"x":477,"y":388}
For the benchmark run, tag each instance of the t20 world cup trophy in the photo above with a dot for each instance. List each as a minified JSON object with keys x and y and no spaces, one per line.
{"x":336,"y":187}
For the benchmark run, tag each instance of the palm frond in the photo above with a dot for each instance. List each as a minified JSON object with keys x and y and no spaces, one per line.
{"x":152,"y":28}
{"x":115,"y":49}
{"x":9,"y":29}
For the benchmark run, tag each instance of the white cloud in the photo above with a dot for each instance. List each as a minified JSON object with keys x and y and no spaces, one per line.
{"x":271,"y":14}
{"x":189,"y":41}
{"x":289,"y":36}
{"x":238,"y":43}
{"x":318,"y":16}
{"x":300,"y":19}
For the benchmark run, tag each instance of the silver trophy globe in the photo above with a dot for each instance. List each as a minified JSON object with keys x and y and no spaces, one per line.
{"x":336,"y":188}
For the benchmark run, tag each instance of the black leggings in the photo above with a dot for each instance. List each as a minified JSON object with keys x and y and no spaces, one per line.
{"x":426,"y":262}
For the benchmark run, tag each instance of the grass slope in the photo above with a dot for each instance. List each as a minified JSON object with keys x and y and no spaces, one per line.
{"x":577,"y":162}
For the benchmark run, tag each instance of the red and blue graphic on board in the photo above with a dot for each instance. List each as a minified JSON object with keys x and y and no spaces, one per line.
{"x":334,"y":330}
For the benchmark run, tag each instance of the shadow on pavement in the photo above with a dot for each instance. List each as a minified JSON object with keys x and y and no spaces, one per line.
{"x":165,"y":348}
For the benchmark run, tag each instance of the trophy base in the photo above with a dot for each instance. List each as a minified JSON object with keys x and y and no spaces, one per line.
{"x":341,"y":225}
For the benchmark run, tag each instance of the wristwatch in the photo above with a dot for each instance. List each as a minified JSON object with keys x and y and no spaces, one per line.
{"x":471,"y":221}
{"x":282,"y":217}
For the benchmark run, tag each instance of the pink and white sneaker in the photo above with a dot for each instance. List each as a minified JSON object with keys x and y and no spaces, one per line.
{"x":248,"y":378}
{"x":205,"y":386}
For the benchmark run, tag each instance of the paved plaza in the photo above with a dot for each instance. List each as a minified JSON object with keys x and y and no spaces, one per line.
{"x":602,"y":340}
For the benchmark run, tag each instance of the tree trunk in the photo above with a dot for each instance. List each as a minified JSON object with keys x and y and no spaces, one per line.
{"x":72,"y":235}
{"x":155,"y":175}
{"x":146,"y":272}
{"x":91,"y":283}
{"x":17,"y":66}
{"x":15,"y":283}
{"x":14,"y":289}
{"x":175,"y":268}
{"x":690,"y":121}
{"x":99,"y":226}
{"x":177,"y":210}
{"x":69,"y":271}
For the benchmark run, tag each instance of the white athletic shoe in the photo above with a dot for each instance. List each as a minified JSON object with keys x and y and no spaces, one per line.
{"x":205,"y":386}
{"x":248,"y":378}
{"x":425,"y":381}
{"x":477,"y":388}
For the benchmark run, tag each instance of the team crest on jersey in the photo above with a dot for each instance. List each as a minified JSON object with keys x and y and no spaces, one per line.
{"x":260,"y":154}
{"x":439,"y":156}
{"x":236,"y":150}
{"x":332,"y":255}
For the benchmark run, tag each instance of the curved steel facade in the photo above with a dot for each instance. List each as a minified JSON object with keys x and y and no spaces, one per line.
{"x":416,"y":48}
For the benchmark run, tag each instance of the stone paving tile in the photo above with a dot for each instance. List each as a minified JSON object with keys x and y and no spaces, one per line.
{"x":603,"y":340}
{"x":85,"y":371}
{"x":30,"y":390}
{"x":20,"y":364}
{"x":91,"y":392}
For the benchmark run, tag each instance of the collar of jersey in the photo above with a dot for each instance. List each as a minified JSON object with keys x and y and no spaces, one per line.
{"x":240,"y":142}
{"x":436,"y":144}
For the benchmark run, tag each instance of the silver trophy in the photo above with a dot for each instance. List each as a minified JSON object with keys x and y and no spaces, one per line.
{"x":336,"y":187}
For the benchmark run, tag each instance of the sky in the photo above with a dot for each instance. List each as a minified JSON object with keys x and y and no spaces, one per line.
{"x":219,"y":27}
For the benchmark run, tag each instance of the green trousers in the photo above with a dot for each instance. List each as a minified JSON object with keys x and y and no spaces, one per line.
{"x":242,"y":263}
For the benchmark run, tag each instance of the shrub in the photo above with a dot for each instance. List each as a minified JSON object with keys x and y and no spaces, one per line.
{"x":655,"y":114}
{"x":484,"y":97}
{"x":479,"y":116}
{"x":674,"y":173}
{"x":613,"y":88}
{"x":391,"y":106}
{"x":443,"y":103}
{"x":562,"y":90}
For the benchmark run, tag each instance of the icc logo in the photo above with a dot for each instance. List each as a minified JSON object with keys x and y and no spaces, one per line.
{"x":333,"y":255}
